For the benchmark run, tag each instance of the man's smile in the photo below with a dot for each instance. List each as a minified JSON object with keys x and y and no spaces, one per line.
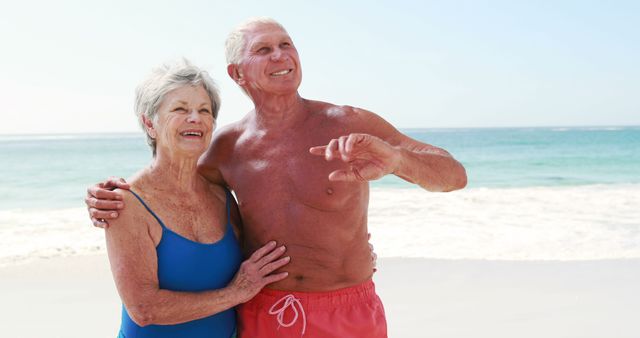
{"x":282,"y":72}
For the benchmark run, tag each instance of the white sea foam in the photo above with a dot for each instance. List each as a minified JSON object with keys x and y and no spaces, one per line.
{"x":536,"y":223}
{"x":28,"y":234}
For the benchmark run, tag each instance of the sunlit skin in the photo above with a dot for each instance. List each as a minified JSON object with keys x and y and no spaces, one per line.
{"x":300,"y":168}
{"x":283,"y":183}
{"x":189,"y":205}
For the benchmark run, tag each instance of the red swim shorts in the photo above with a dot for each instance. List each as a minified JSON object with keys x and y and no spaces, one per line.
{"x":354,"y":312}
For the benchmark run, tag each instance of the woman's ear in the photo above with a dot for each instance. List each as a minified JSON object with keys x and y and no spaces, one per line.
{"x":148,"y":124}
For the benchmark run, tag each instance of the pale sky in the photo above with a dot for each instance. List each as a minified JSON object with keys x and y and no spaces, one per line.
{"x":72,"y":66}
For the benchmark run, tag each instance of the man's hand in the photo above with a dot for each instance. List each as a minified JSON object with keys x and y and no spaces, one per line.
{"x":103,"y":203}
{"x":369,"y":157}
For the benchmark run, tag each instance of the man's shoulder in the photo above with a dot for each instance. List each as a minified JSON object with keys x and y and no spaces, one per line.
{"x":222,"y":147}
{"x":355,"y":119}
{"x":229,"y":132}
{"x":341,"y":112}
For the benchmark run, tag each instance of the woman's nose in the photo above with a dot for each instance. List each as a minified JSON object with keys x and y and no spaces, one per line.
{"x":194,"y":116}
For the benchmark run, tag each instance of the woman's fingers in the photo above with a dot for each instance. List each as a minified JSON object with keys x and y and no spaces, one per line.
{"x":258,"y":254}
{"x":271,"y":267}
{"x":271,"y":256}
{"x":275,"y":277}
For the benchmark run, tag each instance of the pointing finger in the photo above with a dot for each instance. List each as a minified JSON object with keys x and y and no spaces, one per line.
{"x":318,"y":150}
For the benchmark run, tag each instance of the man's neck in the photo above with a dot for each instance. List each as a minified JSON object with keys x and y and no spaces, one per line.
{"x":279,"y":112}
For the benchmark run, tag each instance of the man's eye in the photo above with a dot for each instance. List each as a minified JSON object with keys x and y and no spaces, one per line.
{"x":264,"y":50}
{"x":285,"y":44}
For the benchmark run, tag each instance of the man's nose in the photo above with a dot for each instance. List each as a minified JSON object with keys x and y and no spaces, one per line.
{"x":278,"y":55}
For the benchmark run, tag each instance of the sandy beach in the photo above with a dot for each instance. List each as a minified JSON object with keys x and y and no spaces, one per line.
{"x":75,"y":297}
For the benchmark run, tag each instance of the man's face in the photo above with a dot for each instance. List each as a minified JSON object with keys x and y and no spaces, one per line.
{"x":270,"y":63}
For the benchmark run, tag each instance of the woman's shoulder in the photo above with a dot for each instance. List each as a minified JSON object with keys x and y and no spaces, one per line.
{"x":133,"y":214}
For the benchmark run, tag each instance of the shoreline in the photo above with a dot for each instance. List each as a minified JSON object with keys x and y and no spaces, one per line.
{"x":75,"y":296}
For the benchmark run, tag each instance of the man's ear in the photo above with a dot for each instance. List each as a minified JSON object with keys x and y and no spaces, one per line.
{"x":235,"y":74}
{"x":148,"y":124}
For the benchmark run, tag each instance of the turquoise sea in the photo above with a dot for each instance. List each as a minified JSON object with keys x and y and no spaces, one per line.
{"x":54,"y":170}
{"x":534,"y":194}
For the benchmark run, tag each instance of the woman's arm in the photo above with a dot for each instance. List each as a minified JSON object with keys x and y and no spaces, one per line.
{"x":132,"y":255}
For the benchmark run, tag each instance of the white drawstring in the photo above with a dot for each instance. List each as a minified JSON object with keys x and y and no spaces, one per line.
{"x":289,"y":301}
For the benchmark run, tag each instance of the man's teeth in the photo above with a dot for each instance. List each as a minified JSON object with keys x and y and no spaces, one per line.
{"x":282,"y":72}
{"x":192,"y":133}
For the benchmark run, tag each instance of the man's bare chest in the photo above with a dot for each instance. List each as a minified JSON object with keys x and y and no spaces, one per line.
{"x":287,"y":173}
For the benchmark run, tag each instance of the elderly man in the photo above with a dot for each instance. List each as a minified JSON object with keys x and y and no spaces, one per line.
{"x":300,"y":171}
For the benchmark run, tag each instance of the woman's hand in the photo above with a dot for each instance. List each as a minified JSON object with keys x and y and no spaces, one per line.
{"x":255,"y":272}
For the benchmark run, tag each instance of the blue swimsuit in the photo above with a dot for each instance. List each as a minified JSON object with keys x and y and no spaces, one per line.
{"x":185,"y":265}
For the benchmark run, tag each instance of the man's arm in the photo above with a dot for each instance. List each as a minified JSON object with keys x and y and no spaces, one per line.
{"x":381,"y":150}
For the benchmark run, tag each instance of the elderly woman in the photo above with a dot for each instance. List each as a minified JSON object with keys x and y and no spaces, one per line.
{"x":173,"y":251}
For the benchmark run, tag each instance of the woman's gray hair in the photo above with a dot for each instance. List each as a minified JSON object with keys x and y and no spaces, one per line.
{"x":236,"y":41}
{"x":163,"y":79}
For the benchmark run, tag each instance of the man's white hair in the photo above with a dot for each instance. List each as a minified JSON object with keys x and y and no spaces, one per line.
{"x":236,"y":41}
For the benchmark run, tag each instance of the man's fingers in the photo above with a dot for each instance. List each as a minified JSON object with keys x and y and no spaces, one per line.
{"x":353,"y":140}
{"x":106,"y":205}
{"x":104,"y":194}
{"x":331,"y":151}
{"x":344,"y":154}
{"x":116,"y":182}
{"x":99,"y":223}
{"x":351,"y":175}
{"x":341,"y":176}
{"x":271,"y":267}
{"x":318,"y":150}
{"x":262,"y":251}
{"x":103,"y":214}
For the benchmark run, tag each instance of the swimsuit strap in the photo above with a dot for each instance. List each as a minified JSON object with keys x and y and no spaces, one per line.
{"x":229,"y":197}
{"x":148,"y":209}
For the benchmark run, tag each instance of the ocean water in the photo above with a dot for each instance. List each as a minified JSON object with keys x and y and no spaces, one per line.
{"x":533,"y":193}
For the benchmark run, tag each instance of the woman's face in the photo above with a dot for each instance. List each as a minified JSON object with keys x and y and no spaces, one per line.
{"x":184,"y":122}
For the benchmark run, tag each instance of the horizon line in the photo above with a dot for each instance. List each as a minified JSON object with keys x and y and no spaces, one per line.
{"x":399,"y":128}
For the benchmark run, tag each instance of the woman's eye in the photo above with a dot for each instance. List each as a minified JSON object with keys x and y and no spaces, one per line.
{"x":263,"y":50}
{"x":179,"y":109}
{"x":205,"y":111}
